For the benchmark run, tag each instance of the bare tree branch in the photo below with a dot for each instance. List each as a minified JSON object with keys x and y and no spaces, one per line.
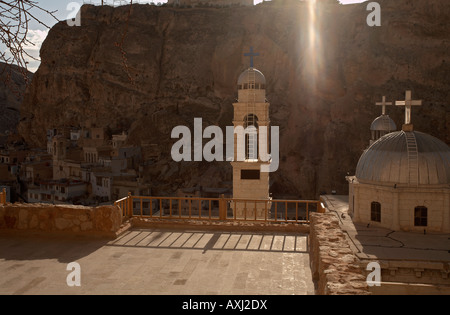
{"x":15,"y":16}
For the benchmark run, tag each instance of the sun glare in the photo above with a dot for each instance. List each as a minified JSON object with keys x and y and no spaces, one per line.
{"x":314,"y":49}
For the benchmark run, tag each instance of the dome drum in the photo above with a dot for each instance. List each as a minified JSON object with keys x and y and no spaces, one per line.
{"x":252,"y":86}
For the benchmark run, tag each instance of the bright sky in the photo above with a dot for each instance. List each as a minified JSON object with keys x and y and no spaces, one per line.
{"x":37,"y":32}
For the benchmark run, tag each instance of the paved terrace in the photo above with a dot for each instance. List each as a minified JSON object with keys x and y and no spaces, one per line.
{"x":156,"y":262}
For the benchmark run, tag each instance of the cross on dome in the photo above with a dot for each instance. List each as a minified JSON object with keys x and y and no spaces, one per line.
{"x":408,"y":103}
{"x":384,"y":104}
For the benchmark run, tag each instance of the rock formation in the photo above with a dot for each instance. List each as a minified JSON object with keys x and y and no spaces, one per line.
{"x":12,"y":88}
{"x":152,"y":68}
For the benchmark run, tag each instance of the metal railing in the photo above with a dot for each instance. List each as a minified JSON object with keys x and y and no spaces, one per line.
{"x":218,"y":209}
{"x":3,"y":197}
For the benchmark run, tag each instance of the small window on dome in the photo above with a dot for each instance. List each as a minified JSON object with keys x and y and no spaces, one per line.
{"x":421,"y":216}
{"x":245,"y":86}
{"x":375,"y":212}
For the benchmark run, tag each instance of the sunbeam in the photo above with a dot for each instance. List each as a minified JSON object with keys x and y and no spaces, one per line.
{"x":314,"y":53}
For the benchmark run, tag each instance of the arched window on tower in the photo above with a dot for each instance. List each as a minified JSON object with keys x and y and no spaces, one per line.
{"x":421,"y":216}
{"x":375,"y":212}
{"x":251,"y":137}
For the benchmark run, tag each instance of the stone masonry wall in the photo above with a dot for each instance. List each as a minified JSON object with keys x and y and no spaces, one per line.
{"x":334,"y":266}
{"x":60,"y":218}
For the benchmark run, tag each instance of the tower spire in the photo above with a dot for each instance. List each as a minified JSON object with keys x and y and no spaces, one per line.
{"x":251,"y":54}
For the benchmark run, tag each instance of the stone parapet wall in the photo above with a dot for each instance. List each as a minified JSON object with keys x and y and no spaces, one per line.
{"x":335,"y":267}
{"x":60,"y":218}
{"x":190,"y":224}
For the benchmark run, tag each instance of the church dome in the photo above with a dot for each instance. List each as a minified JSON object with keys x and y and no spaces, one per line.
{"x":251,"y":75}
{"x":383,"y":123}
{"x":406,"y":159}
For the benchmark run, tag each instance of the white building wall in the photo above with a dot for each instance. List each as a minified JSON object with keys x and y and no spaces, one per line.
{"x":398,"y":207}
{"x":102,"y":190}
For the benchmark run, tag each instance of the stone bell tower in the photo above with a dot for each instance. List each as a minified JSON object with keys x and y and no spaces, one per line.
{"x":251,"y":114}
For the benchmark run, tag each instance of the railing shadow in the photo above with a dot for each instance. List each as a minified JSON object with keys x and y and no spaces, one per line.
{"x":209,"y":241}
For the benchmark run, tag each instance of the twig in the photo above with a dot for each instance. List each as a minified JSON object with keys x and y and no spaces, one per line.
{"x":15,"y":16}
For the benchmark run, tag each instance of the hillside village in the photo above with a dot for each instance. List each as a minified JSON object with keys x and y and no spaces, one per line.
{"x":80,"y":166}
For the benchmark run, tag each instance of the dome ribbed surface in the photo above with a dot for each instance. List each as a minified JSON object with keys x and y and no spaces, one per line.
{"x":251,"y":75}
{"x":394,"y":160}
{"x":383,"y":123}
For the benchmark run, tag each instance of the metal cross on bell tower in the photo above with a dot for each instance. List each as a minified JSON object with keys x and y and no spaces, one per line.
{"x":251,"y":54}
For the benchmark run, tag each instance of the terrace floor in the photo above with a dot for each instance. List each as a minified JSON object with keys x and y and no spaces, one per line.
{"x":157,"y":262}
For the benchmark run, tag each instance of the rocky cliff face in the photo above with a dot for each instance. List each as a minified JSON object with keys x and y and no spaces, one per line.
{"x":325,"y":69}
{"x":12,"y":89}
